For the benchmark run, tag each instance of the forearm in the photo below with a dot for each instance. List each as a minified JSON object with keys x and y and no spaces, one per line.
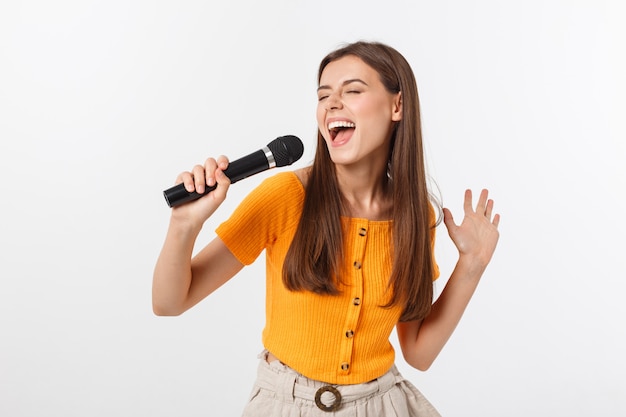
{"x":423,"y":341}
{"x":476,"y":240}
{"x":172,"y":273}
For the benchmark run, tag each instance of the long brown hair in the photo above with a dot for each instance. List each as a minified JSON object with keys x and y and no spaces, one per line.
{"x":313,"y":260}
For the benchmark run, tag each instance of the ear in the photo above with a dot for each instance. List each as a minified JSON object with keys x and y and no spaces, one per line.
{"x":396,"y":111}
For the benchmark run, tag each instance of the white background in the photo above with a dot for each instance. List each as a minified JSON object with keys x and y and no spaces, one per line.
{"x":103,"y":103}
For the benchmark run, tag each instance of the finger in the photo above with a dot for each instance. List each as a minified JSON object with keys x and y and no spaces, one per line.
{"x":448,"y":219}
{"x":223,"y":182}
{"x":222,"y":162}
{"x":496,"y":220}
{"x":222,"y":179}
{"x":489,"y":209}
{"x":186,"y":178}
{"x":481,"y":206}
{"x":210,"y":165}
{"x":467,"y":203}
{"x":198,"y":178}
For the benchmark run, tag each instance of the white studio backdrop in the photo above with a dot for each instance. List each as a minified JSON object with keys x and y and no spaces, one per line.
{"x":103,"y":103}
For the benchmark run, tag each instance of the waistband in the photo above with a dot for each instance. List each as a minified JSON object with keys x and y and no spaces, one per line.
{"x":288,"y":385}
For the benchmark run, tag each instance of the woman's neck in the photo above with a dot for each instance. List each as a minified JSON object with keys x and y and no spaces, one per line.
{"x":366,"y":192}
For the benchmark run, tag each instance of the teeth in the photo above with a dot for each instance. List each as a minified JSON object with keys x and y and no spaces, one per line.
{"x":341,"y":123}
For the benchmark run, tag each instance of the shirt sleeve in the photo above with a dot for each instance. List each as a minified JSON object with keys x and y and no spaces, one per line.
{"x":261,"y":216}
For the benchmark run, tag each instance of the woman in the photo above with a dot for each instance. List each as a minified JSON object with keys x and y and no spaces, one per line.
{"x":349,"y":250}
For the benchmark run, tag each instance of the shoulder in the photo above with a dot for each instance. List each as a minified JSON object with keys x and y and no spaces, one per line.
{"x":287,"y":179}
{"x":288,"y":184}
{"x":303,"y":175}
{"x":276,"y":192}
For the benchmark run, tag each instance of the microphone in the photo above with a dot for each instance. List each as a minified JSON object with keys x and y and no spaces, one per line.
{"x":282,"y":151}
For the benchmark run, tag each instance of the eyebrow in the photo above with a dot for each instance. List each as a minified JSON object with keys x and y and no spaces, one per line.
{"x":343,"y":84}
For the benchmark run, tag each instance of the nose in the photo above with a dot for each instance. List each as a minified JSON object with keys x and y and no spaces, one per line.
{"x":333,"y":102}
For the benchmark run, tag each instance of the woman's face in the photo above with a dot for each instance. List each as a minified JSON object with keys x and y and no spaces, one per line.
{"x":355,"y":113}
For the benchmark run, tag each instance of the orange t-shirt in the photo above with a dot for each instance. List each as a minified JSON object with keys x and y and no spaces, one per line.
{"x":338,"y":339}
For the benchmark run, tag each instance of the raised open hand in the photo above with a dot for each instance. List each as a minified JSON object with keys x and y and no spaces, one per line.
{"x":477,"y":235}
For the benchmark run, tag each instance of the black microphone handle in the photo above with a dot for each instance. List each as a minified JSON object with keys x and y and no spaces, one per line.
{"x":237,"y":170}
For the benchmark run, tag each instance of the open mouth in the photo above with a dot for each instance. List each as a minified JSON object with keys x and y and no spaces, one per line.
{"x":339,"y":128}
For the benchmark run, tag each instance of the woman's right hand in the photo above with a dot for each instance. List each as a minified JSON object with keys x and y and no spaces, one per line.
{"x":211,"y":173}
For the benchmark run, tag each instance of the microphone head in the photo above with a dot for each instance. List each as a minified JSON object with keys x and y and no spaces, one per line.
{"x":286,"y":150}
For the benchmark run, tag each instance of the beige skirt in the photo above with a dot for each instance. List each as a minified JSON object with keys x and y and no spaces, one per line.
{"x":279,"y":391}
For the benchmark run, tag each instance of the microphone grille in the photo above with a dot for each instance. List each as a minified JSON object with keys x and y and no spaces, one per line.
{"x":286,"y":150}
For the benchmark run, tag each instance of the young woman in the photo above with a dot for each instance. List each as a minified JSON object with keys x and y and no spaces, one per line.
{"x":349,"y":250}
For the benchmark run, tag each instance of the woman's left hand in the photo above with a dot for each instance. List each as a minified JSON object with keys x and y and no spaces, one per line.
{"x":477,"y":235}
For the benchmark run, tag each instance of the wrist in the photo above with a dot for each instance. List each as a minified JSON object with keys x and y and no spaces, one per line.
{"x":184,"y":226}
{"x":472,"y":266}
